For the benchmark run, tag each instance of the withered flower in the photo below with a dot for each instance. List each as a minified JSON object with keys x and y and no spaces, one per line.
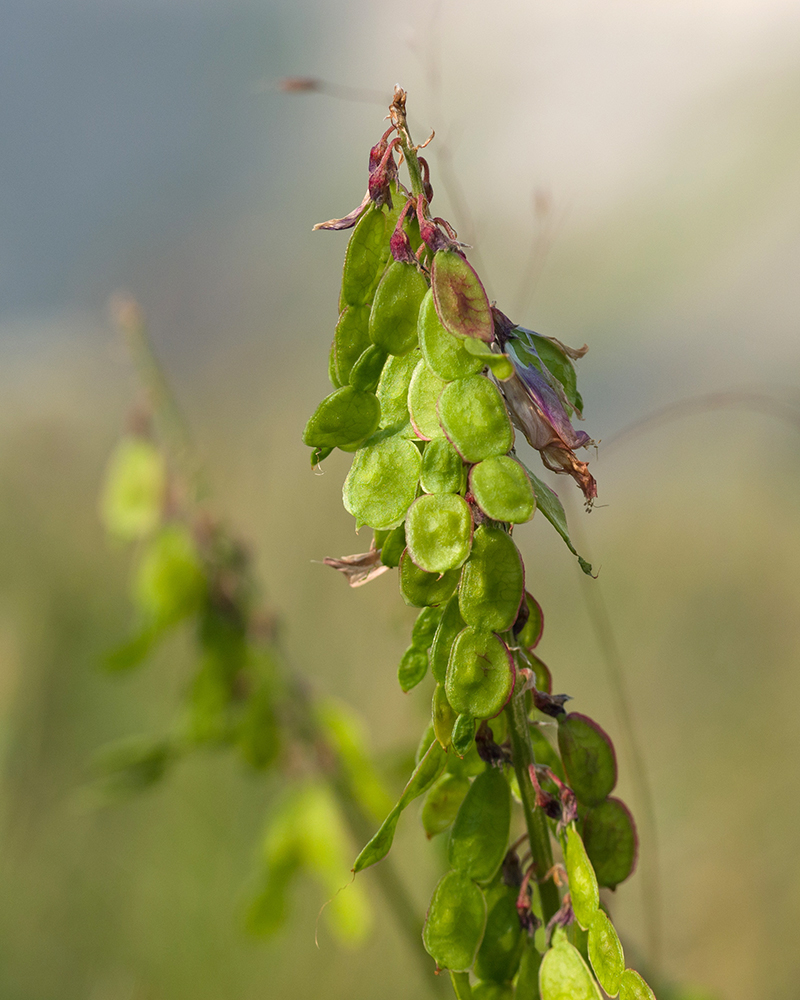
{"x":538,"y":405}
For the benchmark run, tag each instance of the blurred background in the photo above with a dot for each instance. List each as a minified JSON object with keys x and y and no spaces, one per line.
{"x":629,"y":175}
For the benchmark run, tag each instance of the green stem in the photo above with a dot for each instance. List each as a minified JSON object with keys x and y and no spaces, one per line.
{"x":538,"y":832}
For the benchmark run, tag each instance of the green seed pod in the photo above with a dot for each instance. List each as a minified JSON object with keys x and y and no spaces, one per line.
{"x":442,"y":803}
{"x":450,"y":626}
{"x":479,"y":838}
{"x":531,"y":632}
{"x":544,"y":680}
{"x":609,"y":835}
{"x":503,"y":940}
{"x":394,"y":546}
{"x":442,"y":468}
{"x":439,"y":532}
{"x":445,"y":354}
{"x":393,"y":388}
{"x":492,"y":584}
{"x":134,"y":489}
{"x":425,"y":627}
{"x":424,"y":390}
{"x":365,"y":258}
{"x":502,"y":489}
{"x":420,"y":589}
{"x":382,"y":481}
{"x":170,"y":582}
{"x":480,"y":674}
{"x":349,"y":342}
{"x":343,"y":419}
{"x":527,"y":985}
{"x":582,"y":882}
{"x":492,"y":991}
{"x":605,"y":953}
{"x":413,"y":667}
{"x":366,"y":372}
{"x":461,"y":301}
{"x":463,"y":735}
{"x":563,"y":974}
{"x":455,"y":922}
{"x":589,"y":759}
{"x":393,"y":318}
{"x":443,"y":716}
{"x":474,"y":418}
{"x":633,"y":987}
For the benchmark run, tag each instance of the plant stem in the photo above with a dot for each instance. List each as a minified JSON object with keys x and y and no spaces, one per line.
{"x":397,"y":112}
{"x":165,"y":408}
{"x":538,"y":832}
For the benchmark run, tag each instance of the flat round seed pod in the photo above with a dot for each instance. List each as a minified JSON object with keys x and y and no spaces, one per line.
{"x":425,"y":627}
{"x":503,"y":941}
{"x":382,"y":481}
{"x":609,"y":835}
{"x":423,"y":394}
{"x":474,"y":418}
{"x":455,"y":922}
{"x":502,"y":489}
{"x":134,"y":489}
{"x":395,"y":308}
{"x":461,"y":300}
{"x":480,"y":674}
{"x":633,"y":987}
{"x":413,"y":667}
{"x":365,"y":258}
{"x":563,"y":974}
{"x":392,"y":391}
{"x":344,"y":418}
{"x":588,"y":755}
{"x":583,"y":888}
{"x":442,"y":468}
{"x":479,"y":838}
{"x":443,"y":716}
{"x":449,"y":627}
{"x":349,"y":342}
{"x":394,"y":546}
{"x":439,"y":531}
{"x":463,"y":735}
{"x":445,"y":354}
{"x":531,"y":632}
{"x":421,"y":589}
{"x":605,"y":953}
{"x":366,"y":372}
{"x":492,"y":583}
{"x":442,"y":803}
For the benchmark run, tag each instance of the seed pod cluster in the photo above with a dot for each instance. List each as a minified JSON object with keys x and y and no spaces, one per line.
{"x":430,"y":382}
